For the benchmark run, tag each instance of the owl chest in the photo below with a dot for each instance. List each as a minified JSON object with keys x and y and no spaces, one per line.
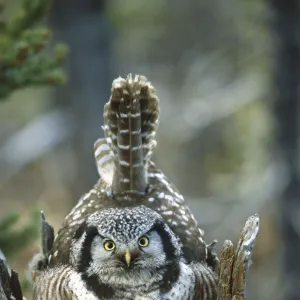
{"x":134,"y":295}
{"x":175,"y":294}
{"x":182,"y":289}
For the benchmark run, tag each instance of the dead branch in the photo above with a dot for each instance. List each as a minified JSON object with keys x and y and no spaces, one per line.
{"x":235,"y":262}
{"x":10,"y":288}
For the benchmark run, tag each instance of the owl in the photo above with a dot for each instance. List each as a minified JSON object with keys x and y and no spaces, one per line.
{"x":128,"y":177}
{"x":133,"y":192}
{"x":124,"y":253}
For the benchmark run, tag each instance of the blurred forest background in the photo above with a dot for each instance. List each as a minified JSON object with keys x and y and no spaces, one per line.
{"x":227,"y":137}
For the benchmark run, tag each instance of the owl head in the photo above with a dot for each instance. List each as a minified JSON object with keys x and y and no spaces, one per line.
{"x":126,"y":246}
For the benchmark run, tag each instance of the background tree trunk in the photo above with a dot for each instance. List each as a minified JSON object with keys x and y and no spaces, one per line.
{"x":82,"y":25}
{"x":286,"y":25}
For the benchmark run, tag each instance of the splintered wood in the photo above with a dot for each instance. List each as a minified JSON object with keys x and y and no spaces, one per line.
{"x":235,"y":262}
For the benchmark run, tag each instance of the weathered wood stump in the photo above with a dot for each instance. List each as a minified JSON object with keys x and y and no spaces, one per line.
{"x":235,"y":262}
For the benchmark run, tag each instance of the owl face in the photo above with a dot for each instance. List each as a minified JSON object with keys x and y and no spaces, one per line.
{"x":121,"y":244}
{"x":112,"y":255}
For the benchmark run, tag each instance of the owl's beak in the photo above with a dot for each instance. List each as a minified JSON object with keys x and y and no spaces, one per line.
{"x":127,"y":257}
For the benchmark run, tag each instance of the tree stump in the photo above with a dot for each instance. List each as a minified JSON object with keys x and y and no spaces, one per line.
{"x":235,"y":262}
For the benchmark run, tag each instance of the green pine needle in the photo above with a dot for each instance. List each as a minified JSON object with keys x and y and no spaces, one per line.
{"x":23,"y":61}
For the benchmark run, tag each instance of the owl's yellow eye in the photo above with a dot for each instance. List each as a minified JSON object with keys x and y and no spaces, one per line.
{"x":143,"y":241}
{"x":109,"y":245}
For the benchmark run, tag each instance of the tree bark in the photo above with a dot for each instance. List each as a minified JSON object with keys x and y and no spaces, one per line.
{"x":235,"y":262}
{"x":9,"y":284}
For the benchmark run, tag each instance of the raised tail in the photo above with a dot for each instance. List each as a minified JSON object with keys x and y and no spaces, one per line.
{"x":104,"y":160}
{"x":130,"y":124}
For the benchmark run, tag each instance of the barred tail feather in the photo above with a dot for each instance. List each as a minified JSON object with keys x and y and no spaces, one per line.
{"x":131,"y":120}
{"x":130,"y":152}
{"x":104,"y":160}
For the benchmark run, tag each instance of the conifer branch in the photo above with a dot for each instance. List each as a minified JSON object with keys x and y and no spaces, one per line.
{"x":22,"y":61}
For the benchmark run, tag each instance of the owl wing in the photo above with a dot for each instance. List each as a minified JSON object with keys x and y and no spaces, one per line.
{"x":206,"y":282}
{"x":61,"y":283}
{"x":169,"y":203}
